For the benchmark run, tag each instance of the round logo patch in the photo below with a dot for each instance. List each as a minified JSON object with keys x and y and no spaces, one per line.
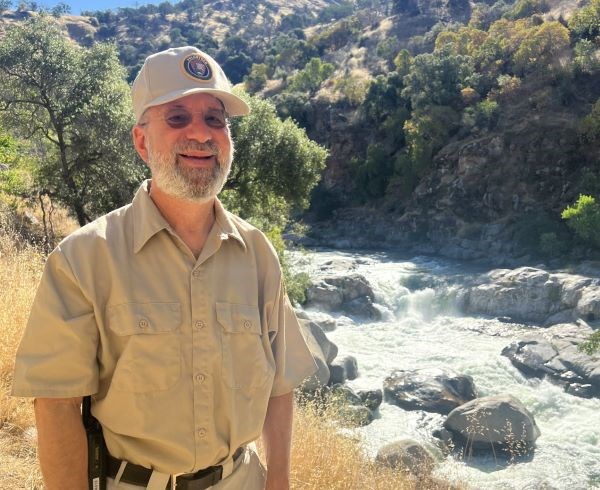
{"x":197,"y":67}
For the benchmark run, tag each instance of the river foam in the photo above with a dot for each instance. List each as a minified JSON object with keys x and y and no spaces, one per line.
{"x":423,"y":327}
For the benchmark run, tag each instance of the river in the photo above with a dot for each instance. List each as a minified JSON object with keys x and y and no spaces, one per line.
{"x":422,"y":328}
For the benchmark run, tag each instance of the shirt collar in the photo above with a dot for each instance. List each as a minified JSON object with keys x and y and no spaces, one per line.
{"x":147,"y":220}
{"x":228,"y":228}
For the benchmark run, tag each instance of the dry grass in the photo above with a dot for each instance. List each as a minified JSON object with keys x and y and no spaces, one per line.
{"x":20,"y":269}
{"x":322,"y":458}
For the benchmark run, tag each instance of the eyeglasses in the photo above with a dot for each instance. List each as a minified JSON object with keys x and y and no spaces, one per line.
{"x":179,"y":118}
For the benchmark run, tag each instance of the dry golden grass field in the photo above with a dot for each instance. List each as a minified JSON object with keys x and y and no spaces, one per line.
{"x":322,"y":458}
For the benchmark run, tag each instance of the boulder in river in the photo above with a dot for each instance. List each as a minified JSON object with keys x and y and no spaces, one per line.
{"x":351,"y":294}
{"x":432,"y":390}
{"x":343,"y":368}
{"x":323,"y":352}
{"x":371,"y":398}
{"x":350,"y":408}
{"x":492,"y":424}
{"x":406,"y":455}
{"x":559,"y":359}
{"x":533,"y":295}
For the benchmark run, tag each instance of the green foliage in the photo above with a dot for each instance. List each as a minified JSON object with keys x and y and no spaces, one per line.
{"x":372,"y":174}
{"x":585,"y":59}
{"x":541,"y":48}
{"x":426,"y":132}
{"x":592,"y":344}
{"x":256,"y":79}
{"x":73,"y":104}
{"x":337,"y":35}
{"x":438,"y":78}
{"x":527,"y":8}
{"x":486,"y":113}
{"x":402,"y":62}
{"x":290,"y":52}
{"x":585,"y":22}
{"x":296,"y":283}
{"x":387,"y":48}
{"x":60,"y":9}
{"x":353,"y":88}
{"x":589,"y":128}
{"x":584,"y":219}
{"x":275,"y":166}
{"x":311,"y":77}
{"x":15,"y":170}
{"x":540,"y":234}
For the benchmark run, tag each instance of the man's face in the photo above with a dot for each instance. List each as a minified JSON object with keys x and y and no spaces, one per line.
{"x":187,"y":145}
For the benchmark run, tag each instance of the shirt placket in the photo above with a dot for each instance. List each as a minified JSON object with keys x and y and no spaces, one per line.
{"x":202,"y":352}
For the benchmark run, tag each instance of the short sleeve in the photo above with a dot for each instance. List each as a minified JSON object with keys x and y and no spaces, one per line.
{"x":293,"y":359}
{"x":57,"y":354}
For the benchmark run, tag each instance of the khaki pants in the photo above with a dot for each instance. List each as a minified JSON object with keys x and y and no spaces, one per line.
{"x":248,"y":474}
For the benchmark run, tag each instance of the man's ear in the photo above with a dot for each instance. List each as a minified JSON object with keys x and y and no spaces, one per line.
{"x":138,"y":134}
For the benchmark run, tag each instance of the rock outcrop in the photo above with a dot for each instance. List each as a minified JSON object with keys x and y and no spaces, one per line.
{"x":558,"y":359}
{"x":406,"y":455}
{"x":432,"y":390}
{"x":499,"y":423}
{"x":350,"y":294}
{"x":533,"y":295}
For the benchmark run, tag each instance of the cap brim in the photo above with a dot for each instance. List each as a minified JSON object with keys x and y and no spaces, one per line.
{"x":234,"y":105}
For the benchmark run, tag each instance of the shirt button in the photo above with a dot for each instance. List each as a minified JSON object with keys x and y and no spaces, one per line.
{"x":200,"y":378}
{"x":201,"y":432}
{"x":142,"y":323}
{"x":196,"y":273}
{"x":247,"y":324}
{"x":199,"y":325}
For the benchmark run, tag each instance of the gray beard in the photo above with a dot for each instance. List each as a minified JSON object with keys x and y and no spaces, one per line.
{"x":197,"y":185}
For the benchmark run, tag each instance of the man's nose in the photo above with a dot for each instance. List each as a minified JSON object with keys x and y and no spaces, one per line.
{"x":198,"y":129}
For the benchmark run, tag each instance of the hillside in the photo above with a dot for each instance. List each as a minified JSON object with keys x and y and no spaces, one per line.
{"x":468,"y":125}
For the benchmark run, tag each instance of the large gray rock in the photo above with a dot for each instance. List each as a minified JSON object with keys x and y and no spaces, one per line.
{"x":559,"y":359}
{"x":499,"y":423}
{"x":432,"y":390}
{"x":343,"y":368}
{"x":351,"y":294}
{"x":524,"y":294}
{"x":349,"y":406}
{"x":323,"y":352}
{"x":531,"y":295}
{"x":406,"y":455}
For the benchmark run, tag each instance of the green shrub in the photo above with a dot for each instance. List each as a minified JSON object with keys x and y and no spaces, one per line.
{"x":592,"y":344}
{"x":533,"y":232}
{"x":296,"y":283}
{"x":584,"y":219}
{"x":526,"y":8}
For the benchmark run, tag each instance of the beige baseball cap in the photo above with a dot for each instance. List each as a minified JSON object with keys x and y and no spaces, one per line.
{"x":177,"y":72}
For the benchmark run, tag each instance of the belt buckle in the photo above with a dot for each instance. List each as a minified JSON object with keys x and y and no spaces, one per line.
{"x":201,"y":480}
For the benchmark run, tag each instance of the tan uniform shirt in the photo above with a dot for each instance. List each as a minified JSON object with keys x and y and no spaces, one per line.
{"x":181,"y":354}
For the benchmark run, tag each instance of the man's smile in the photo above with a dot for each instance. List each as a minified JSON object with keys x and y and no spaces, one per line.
{"x":197,"y":158}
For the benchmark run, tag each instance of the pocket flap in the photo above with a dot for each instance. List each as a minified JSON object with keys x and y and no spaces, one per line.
{"x":144,"y":318}
{"x":239,"y":318}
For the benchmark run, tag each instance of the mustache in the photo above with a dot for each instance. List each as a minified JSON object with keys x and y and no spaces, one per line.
{"x":197,"y":146}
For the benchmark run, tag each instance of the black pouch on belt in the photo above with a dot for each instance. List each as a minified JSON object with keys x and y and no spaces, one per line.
{"x":96,"y":448}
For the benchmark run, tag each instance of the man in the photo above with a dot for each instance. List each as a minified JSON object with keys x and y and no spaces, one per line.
{"x":170,"y":311}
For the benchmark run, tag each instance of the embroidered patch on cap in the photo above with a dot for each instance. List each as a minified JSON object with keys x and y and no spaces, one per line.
{"x":197,"y":67}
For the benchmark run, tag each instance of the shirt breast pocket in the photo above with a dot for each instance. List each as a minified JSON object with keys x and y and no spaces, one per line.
{"x":150,"y":359}
{"x":244,"y":361}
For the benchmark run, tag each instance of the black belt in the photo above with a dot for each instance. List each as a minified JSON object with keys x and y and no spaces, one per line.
{"x":140,"y":475}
